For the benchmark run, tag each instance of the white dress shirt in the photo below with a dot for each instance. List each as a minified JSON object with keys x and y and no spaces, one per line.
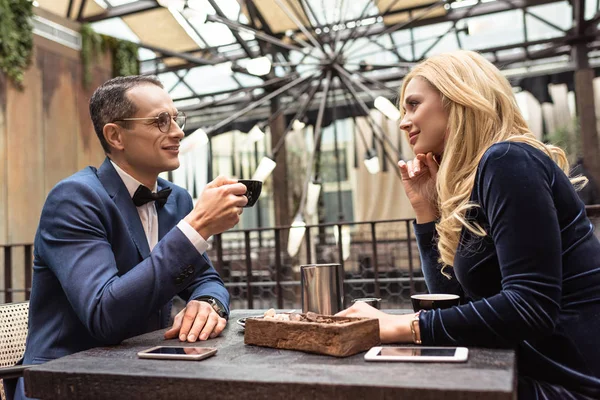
{"x":149,"y":217}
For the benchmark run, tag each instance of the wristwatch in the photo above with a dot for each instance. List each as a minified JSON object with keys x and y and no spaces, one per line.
{"x":215,"y":304}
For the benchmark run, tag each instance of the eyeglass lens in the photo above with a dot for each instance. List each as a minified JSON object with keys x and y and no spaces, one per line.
{"x":164,"y":121}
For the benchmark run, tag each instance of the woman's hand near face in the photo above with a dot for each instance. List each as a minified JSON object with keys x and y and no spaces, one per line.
{"x":418,"y":177}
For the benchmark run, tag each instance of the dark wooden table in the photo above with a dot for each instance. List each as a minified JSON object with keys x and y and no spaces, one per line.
{"x":238,"y":371}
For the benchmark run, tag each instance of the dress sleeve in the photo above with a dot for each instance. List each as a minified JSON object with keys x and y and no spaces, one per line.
{"x":432,"y":270}
{"x":514,"y":188}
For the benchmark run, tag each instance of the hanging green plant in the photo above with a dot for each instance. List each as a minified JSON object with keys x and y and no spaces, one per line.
{"x":124,"y":53}
{"x":91,"y":46}
{"x":125,"y":60}
{"x":16,"y":38}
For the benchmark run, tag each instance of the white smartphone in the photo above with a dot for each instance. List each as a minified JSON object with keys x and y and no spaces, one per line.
{"x":418,"y":354}
{"x":177,"y":353}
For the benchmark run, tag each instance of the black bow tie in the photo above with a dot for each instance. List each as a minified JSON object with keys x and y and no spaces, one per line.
{"x":144,"y":195}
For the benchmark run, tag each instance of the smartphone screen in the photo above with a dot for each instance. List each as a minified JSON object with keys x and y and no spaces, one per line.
{"x":180,"y":350}
{"x":178,"y":353}
{"x":417,"y":352}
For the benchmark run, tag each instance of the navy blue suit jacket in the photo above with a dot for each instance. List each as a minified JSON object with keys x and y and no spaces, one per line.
{"x":95,"y":281}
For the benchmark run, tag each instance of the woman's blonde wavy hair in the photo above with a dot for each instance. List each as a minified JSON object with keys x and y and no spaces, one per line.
{"x":482,"y":110}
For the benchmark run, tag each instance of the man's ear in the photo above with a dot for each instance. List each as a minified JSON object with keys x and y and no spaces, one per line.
{"x":113,"y":136}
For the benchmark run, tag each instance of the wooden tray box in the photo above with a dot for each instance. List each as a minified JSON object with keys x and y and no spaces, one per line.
{"x":334,"y":338}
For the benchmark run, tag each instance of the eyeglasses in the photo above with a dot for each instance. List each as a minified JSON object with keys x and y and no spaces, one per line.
{"x":163,"y":120}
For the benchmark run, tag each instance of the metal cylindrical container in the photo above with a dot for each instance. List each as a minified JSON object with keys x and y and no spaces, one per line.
{"x":322,"y":288}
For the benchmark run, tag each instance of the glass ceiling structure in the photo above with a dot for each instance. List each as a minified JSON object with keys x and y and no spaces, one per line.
{"x":209,"y":53}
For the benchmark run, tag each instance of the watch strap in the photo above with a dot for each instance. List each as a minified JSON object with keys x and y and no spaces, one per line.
{"x":216,"y":305}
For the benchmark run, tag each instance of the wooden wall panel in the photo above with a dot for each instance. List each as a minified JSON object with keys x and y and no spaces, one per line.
{"x":60,"y":117}
{"x":45,"y":135}
{"x":25,"y":162}
{"x":89,"y":149}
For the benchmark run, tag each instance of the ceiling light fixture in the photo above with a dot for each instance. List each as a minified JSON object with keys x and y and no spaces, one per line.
{"x":296,"y":235}
{"x":256,"y":134}
{"x":259,"y":66}
{"x":387,"y":108}
{"x":298,"y":125}
{"x":193,"y":140}
{"x":372,"y":161}
{"x":312,"y":198}
{"x":264,"y":169}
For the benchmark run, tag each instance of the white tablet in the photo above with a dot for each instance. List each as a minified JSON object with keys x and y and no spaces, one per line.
{"x":418,"y":354}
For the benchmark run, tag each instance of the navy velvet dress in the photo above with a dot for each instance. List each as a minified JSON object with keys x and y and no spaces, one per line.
{"x":532,"y":284}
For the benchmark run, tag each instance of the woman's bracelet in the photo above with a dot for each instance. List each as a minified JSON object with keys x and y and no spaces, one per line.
{"x":416,"y":337}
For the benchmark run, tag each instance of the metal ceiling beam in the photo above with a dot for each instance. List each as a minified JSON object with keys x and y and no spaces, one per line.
{"x":192,"y":59}
{"x":306,"y":8}
{"x":453,"y":15}
{"x":293,"y":103}
{"x":122,"y":11}
{"x":377,"y":130}
{"x":422,"y":14}
{"x":592,"y":23}
{"x":214,"y":51}
{"x":317,"y":134}
{"x":541,"y":19}
{"x":461,"y":13}
{"x":256,"y":104}
{"x":253,"y":15}
{"x":347,"y":81}
{"x":181,"y":79}
{"x":190,"y":64}
{"x":484,"y":50}
{"x":352,"y":35}
{"x":70,"y":8}
{"x":81,"y":7}
{"x":560,"y":48}
{"x":214,"y":115}
{"x":236,"y":35}
{"x":252,"y":9}
{"x":299,"y":114}
{"x":579,"y":23}
{"x":377,"y":83}
{"x":256,"y":33}
{"x":300,"y":26}
{"x":233,"y":92}
{"x":225,"y":109}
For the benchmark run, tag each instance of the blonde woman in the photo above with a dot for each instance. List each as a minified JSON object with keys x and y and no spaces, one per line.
{"x":497,"y":214}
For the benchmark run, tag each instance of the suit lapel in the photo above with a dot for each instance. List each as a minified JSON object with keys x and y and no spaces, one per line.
{"x":167,"y":214}
{"x":116,"y":189}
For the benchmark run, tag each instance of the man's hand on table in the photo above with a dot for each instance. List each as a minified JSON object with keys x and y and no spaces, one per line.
{"x":198,"y":320}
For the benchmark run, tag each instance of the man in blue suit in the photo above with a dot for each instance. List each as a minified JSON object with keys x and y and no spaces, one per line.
{"x":115,"y":244}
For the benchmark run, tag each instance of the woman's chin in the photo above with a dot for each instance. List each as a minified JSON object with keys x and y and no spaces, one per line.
{"x":420,"y":149}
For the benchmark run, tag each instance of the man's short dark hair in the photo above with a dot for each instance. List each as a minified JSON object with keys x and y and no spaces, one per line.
{"x":110,"y":103}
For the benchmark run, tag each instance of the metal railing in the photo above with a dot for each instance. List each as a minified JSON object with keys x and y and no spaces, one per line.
{"x":25,"y":253}
{"x":380,"y":259}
